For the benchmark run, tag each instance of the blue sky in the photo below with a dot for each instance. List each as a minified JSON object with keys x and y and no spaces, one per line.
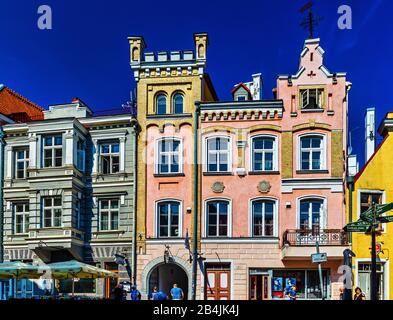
{"x":86,"y":53}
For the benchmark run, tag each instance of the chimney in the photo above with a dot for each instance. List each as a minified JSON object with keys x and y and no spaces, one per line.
{"x":256,"y":86}
{"x":369,"y":133}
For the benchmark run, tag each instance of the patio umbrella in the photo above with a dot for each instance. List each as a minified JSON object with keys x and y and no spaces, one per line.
{"x":19,"y":270}
{"x":75,"y":269}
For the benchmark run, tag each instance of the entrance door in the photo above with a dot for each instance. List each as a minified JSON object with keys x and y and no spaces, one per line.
{"x":24,"y":289}
{"x":110,"y":283}
{"x":259,"y":287}
{"x":217,"y":284}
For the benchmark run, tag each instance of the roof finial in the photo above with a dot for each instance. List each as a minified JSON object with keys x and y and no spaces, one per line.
{"x":311,"y":20}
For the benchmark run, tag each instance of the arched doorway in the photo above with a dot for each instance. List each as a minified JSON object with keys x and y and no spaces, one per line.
{"x":165,"y":275}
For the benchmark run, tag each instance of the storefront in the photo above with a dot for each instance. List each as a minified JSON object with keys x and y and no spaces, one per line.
{"x":363,"y":278}
{"x":273,"y":284}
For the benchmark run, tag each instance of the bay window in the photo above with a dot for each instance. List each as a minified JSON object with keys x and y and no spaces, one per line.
{"x":53,"y":151}
{"x":109,"y":157}
{"x":21,"y":212}
{"x":109,"y":214}
{"x":52,"y":209}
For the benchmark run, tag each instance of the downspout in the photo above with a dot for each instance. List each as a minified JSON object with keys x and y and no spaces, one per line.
{"x":350,"y":194}
{"x":134,"y":204}
{"x":1,"y":193}
{"x":195,"y":226}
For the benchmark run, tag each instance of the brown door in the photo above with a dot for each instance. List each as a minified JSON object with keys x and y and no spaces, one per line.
{"x":110,"y":283}
{"x":218,"y":284}
{"x":259,"y":287}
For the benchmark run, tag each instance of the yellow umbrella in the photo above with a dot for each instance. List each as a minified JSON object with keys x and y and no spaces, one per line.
{"x":19,"y":270}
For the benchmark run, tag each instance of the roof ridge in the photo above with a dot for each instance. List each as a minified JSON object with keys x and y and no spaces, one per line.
{"x":19,"y":96}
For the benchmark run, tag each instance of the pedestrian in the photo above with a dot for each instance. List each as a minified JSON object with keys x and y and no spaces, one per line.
{"x":160,"y":296}
{"x":359,"y":295}
{"x":153,"y":293}
{"x":135,"y":294}
{"x":292,"y":293}
{"x":118,"y":293}
{"x":177,"y":293}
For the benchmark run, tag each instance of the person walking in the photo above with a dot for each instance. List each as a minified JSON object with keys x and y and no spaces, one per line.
{"x":359,"y":295}
{"x":160,"y":296}
{"x":341,"y":293}
{"x":154,"y":293}
{"x":135,"y":294}
{"x":177,"y":293}
{"x":118,"y":293}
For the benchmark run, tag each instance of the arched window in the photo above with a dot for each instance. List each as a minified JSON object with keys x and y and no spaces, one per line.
{"x":264,"y":154}
{"x":178,"y":103}
{"x":161,"y":104}
{"x":168,"y":219}
{"x":311,"y":214}
{"x":217,"y":218}
{"x":263,"y":212}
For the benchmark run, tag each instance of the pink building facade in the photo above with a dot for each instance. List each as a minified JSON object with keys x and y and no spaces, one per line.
{"x":272,"y":186}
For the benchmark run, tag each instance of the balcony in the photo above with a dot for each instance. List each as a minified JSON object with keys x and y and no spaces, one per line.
{"x":300,"y":244}
{"x":56,"y":244}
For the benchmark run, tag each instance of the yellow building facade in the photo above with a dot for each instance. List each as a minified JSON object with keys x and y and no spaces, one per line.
{"x":374,"y":184}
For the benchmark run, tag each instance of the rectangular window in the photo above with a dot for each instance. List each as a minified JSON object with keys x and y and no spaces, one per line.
{"x":80,"y":155}
{"x":52,"y":212}
{"x":367,"y":199}
{"x":364,"y":272}
{"x":77,"y":213}
{"x":109,"y":157}
{"x":263,"y":154}
{"x":217,"y":218}
{"x":263,"y":218}
{"x":312,"y":99}
{"x":218,"y":152}
{"x":109,"y":214}
{"x":168,"y":219}
{"x":312,"y":153}
{"x":21,"y":163}
{"x":53,"y":151}
{"x":169,"y":156}
{"x":21,"y":212}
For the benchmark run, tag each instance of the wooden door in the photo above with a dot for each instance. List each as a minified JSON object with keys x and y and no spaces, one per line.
{"x":218,"y":285}
{"x":259,"y":287}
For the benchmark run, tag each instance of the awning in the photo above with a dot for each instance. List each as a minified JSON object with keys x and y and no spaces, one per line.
{"x":19,"y":270}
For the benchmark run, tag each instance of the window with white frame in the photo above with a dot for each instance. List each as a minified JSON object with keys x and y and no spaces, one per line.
{"x":218,"y":154}
{"x":168,"y":219}
{"x":52,"y":212}
{"x":312,"y":98}
{"x":109,"y":157}
{"x":53,"y":151}
{"x":109,"y":214}
{"x":264,"y":153}
{"x":312,"y":153}
{"x":21,"y":212}
{"x":263,"y":216}
{"x":217,"y":216}
{"x":169,"y":156}
{"x":21,"y":158}
{"x":311,"y":214}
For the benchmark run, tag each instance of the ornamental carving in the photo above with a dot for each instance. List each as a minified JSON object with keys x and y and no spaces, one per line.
{"x":218,"y":187}
{"x":264,"y":187}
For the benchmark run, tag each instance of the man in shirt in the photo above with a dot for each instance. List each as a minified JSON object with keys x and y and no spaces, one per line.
{"x":292,"y":293}
{"x":177,"y":293}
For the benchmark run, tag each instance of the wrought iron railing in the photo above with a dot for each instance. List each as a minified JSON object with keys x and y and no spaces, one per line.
{"x":310,"y":237}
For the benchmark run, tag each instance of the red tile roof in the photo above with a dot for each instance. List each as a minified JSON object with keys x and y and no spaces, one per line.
{"x":17,"y":107}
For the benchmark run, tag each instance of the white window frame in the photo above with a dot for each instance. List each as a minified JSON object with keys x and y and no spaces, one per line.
{"x":156,"y":220}
{"x":324,"y":214}
{"x":53,"y":148}
{"x":229,"y":152}
{"x":275,"y":152}
{"x":110,"y":154}
{"x":373,"y":191}
{"x":275,"y":217}
{"x":307,"y":91}
{"x":52,"y":208}
{"x":170,"y":154}
{"x":25,"y":214}
{"x":323,"y":150}
{"x":206,"y":218}
{"x":109,"y":211}
{"x":25,"y":161}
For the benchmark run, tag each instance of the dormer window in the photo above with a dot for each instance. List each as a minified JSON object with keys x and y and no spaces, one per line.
{"x":312,"y":99}
{"x":241,"y":98}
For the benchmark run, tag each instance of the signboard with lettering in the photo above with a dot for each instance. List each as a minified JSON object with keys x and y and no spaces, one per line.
{"x":318,"y":257}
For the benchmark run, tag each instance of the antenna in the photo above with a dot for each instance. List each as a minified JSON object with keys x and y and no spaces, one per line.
{"x":131,"y":104}
{"x":311,"y":20}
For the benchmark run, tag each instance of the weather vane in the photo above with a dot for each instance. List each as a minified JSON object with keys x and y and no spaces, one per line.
{"x":311,"y":20}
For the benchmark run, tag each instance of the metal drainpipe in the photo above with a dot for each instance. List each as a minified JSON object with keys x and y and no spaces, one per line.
{"x":1,"y":193}
{"x":195,"y":228}
{"x":350,"y":193}
{"x":134,"y":202}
